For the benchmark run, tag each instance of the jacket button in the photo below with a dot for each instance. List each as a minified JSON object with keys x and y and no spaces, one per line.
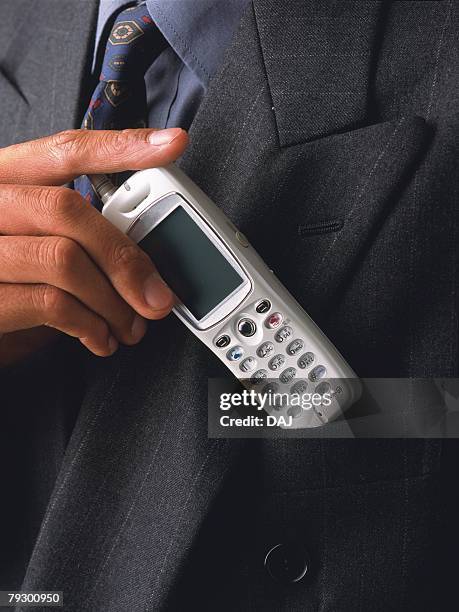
{"x":287,"y":563}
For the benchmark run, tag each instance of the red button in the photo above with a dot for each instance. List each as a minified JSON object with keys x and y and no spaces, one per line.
{"x":274,"y":320}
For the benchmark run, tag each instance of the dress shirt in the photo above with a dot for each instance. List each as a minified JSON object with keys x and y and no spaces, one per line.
{"x":198,"y":32}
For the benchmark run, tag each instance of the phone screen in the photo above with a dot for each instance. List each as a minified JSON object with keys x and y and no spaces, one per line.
{"x":192,"y":266}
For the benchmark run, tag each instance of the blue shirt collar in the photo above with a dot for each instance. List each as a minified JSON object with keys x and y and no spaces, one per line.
{"x":199,"y":31}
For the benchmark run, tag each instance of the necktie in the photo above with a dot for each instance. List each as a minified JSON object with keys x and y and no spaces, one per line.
{"x":119,"y":100}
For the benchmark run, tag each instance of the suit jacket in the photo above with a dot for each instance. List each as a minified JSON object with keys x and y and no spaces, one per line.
{"x":328,"y":137}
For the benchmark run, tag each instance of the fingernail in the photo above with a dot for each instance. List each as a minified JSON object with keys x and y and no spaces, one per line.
{"x":112,"y":344}
{"x":157,"y":294}
{"x":164,"y":137}
{"x":138,"y":329}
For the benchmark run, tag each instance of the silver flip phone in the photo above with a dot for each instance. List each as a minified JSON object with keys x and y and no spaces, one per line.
{"x":226,"y":295}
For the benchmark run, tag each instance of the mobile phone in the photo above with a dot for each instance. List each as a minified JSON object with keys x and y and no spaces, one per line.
{"x":226,"y":294}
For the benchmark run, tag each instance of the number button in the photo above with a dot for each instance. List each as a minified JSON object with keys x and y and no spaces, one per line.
{"x":249,"y":364}
{"x":263,"y":306}
{"x":265,"y":349}
{"x":283,"y":334}
{"x":294,"y":411}
{"x":287,"y":375}
{"x":271,"y":387}
{"x":306,"y":360}
{"x":235,"y":353}
{"x":274,"y":320}
{"x":318,"y":372}
{"x":258,"y":377}
{"x":322,"y":388}
{"x":295,"y":347}
{"x":276,"y":362}
{"x":299,"y":387}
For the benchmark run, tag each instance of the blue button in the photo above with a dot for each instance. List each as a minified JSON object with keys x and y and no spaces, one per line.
{"x":235,"y":353}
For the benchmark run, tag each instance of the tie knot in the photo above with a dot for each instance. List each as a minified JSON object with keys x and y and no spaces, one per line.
{"x":133,"y":44}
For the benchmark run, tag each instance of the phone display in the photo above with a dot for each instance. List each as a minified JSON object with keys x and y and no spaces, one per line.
{"x":191,"y":265}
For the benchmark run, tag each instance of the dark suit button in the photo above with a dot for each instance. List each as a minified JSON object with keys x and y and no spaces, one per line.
{"x":287,"y":563}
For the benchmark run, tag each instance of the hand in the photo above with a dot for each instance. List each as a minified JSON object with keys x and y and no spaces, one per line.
{"x":63,"y":266}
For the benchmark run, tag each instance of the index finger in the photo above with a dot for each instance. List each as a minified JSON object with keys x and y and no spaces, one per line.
{"x":60,"y":158}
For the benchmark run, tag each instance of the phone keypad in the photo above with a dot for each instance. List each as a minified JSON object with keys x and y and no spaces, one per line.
{"x":279,"y":331}
{"x":278,"y":349}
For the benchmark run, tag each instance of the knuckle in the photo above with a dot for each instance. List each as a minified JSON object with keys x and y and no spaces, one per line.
{"x":37,"y":199}
{"x":63,"y":204}
{"x":112,"y":144}
{"x":129,"y":255}
{"x":53,"y":302}
{"x":65,"y":145}
{"x":61,"y":254}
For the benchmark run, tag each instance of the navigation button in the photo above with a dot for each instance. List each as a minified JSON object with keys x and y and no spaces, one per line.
{"x":246,"y":327}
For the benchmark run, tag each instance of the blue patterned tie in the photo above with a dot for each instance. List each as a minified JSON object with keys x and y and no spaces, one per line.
{"x":119,"y":100}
